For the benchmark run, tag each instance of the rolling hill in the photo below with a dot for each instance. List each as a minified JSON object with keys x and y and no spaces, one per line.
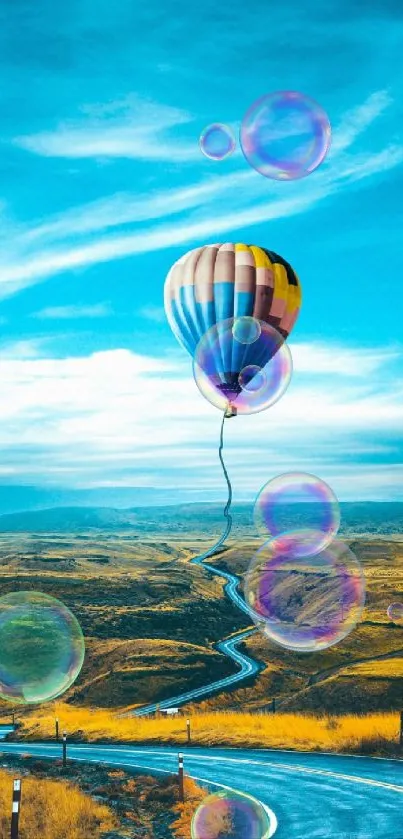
{"x":201,"y":519}
{"x":151,"y":618}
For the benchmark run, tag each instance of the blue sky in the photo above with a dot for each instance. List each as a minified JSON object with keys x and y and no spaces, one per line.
{"x":103,"y":186}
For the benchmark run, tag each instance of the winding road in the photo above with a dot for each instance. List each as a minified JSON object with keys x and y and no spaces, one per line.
{"x":247,"y":665}
{"x":315,"y":796}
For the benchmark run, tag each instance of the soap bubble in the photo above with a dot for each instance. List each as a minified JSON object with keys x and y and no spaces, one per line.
{"x":231,"y":815}
{"x":41,"y":647}
{"x":285,"y":135}
{"x":217,"y":141}
{"x":301,"y":510}
{"x":252,"y":378}
{"x":242,"y":377}
{"x":307,"y":603}
{"x":395,"y":612}
{"x":246,"y":330}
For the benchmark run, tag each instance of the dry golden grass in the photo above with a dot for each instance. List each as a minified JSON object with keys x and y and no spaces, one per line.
{"x":194,"y":795}
{"x":392,"y":668}
{"x":53,"y":810}
{"x":289,"y":731}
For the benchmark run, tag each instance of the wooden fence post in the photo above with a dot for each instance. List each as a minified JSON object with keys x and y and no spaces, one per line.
{"x":64,"y":748}
{"x":188,"y":731}
{"x":180,"y":777}
{"x":15,"y":813}
{"x":57,"y":730}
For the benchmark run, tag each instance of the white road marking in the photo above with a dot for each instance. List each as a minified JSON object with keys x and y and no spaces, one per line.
{"x":217,"y":758}
{"x":270,"y":813}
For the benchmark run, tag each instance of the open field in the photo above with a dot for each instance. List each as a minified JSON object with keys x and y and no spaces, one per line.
{"x":319,"y":681}
{"x":151,"y":620}
{"x":371,"y":733}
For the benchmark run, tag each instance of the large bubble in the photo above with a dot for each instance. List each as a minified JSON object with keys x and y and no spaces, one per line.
{"x":231,"y":815}
{"x":301,"y":510}
{"x":285,"y":135}
{"x":242,"y":376}
{"x":41,"y":647}
{"x":395,"y":612}
{"x":217,"y":141}
{"x":305,"y":604}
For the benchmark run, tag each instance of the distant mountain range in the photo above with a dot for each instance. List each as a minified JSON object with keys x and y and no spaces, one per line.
{"x":15,"y":498}
{"x":198,"y":518}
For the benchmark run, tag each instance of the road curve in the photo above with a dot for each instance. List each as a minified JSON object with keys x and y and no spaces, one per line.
{"x":312,"y":795}
{"x":247,"y":665}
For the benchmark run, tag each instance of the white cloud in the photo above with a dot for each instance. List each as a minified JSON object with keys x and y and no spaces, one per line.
{"x":153,"y":313}
{"x":123,"y":419}
{"x":123,"y":209}
{"x":138,"y":131}
{"x":358,"y":119}
{"x":70,"y":243}
{"x":31,"y":348}
{"x":98,"y":310}
{"x":318,"y":358}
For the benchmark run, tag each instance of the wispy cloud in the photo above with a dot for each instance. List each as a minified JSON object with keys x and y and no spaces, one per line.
{"x":31,"y":348}
{"x":358,"y":119}
{"x":125,"y":419}
{"x":140,"y":131}
{"x":319,"y":358}
{"x":98,"y":310}
{"x":205,"y":211}
{"x":120,"y":210}
{"x":153,"y":313}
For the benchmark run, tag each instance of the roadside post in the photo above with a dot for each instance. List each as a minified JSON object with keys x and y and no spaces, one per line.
{"x":13,"y":717}
{"x":180,"y":777}
{"x":188,"y":732}
{"x":57,"y":730}
{"x":64,"y":748}
{"x":15,"y":813}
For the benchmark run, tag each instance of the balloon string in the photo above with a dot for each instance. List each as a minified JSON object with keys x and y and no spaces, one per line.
{"x":226,"y":513}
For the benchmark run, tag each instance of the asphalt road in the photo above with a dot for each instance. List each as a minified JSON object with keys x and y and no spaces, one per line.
{"x":311,"y":796}
{"x":247,"y":665}
{"x":5,"y":730}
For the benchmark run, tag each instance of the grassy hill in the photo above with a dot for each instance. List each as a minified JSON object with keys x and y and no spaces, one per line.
{"x":151,"y":620}
{"x":149,"y":617}
{"x":362,"y":672}
{"x":200,"y":519}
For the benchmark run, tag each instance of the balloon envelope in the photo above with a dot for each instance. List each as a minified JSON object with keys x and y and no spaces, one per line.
{"x":216,"y":282}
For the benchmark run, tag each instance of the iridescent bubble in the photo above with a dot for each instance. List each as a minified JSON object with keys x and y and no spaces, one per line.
{"x":285,"y":135}
{"x":41,"y":647}
{"x":305,"y":603}
{"x":231,"y":815}
{"x":300,"y":511}
{"x":217,"y":141}
{"x":252,"y":378}
{"x":395,"y":612}
{"x":246,"y":330}
{"x":223,"y":367}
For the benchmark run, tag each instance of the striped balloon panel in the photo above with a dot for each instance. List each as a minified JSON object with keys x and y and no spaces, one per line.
{"x":221,"y":281}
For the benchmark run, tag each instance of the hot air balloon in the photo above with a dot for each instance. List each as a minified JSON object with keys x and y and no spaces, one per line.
{"x":232,"y":306}
{"x":214,"y":294}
